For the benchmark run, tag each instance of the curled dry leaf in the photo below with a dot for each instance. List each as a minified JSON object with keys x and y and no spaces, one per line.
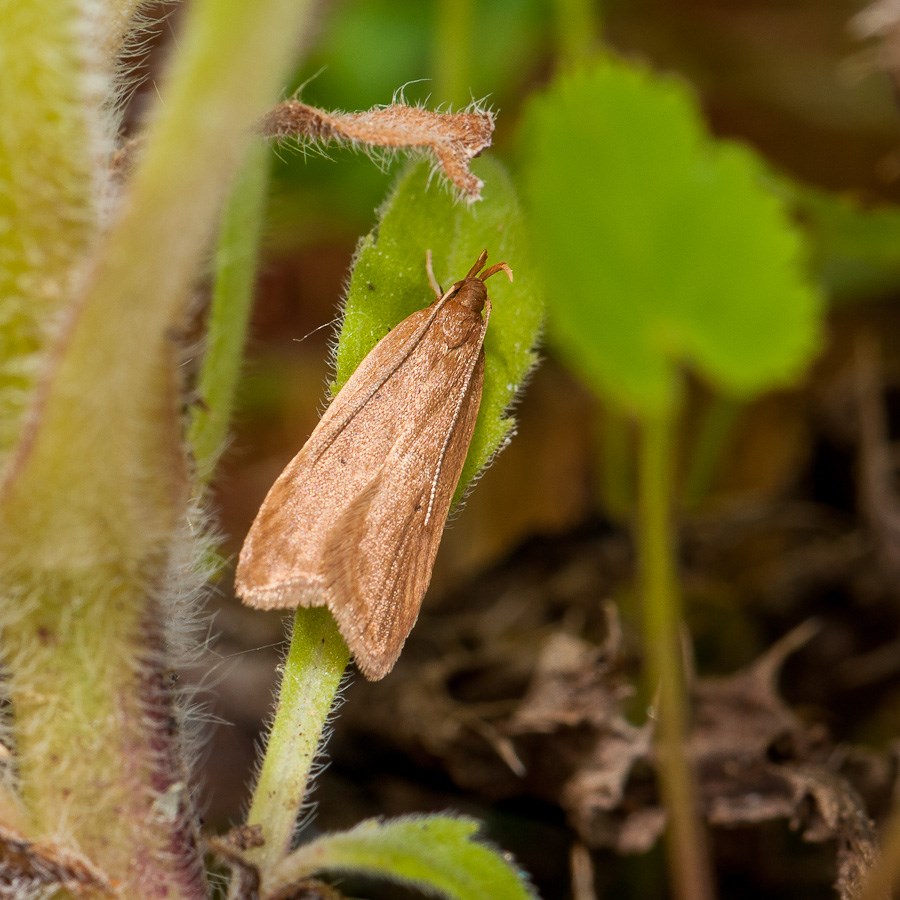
{"x":453,"y":138}
{"x":836,"y":812}
{"x":246,"y":882}
{"x":231,"y":849}
{"x":30,"y":870}
{"x":756,"y":760}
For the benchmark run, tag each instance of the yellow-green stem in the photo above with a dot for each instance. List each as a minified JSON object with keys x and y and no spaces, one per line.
{"x":453,"y":51}
{"x":96,"y":500}
{"x":229,"y":313}
{"x":685,"y":835}
{"x":49,"y":186}
{"x":577,"y":30}
{"x":310,"y":680}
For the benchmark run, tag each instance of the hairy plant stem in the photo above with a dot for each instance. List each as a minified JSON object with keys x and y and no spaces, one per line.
{"x":310,"y":680}
{"x":94,"y":503}
{"x":685,"y":836}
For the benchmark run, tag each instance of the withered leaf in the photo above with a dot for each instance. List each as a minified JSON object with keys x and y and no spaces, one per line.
{"x":454,"y":138}
{"x":29,"y":869}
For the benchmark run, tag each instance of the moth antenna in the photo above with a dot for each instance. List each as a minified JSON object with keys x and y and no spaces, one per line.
{"x":479,"y":263}
{"x":495,"y":268}
{"x":438,"y":290}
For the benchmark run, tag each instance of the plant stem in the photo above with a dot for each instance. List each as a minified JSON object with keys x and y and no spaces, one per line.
{"x":94,"y":504}
{"x":577,"y":29}
{"x":685,"y":837}
{"x":453,"y":51}
{"x":49,"y":126}
{"x":229,"y":313}
{"x":310,"y":681}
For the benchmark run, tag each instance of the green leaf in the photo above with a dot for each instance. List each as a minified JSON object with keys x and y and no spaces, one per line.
{"x":661,"y":247}
{"x":389,"y":283}
{"x":434,"y":853}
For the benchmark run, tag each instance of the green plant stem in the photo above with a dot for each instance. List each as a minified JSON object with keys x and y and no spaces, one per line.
{"x":96,"y":499}
{"x":577,"y":29}
{"x":453,"y":51}
{"x":310,"y":681}
{"x":229,"y":313}
{"x":49,"y":220}
{"x":685,"y":837}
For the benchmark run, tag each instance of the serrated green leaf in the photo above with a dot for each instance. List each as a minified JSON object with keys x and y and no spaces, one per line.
{"x":389,"y":283}
{"x":436,"y":854}
{"x":663,"y":245}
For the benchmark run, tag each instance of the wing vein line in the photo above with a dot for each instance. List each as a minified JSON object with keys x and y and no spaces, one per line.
{"x":459,"y":405}
{"x":415,"y":340}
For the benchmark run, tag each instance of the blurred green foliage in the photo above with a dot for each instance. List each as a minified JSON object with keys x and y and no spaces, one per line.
{"x":663,"y":247}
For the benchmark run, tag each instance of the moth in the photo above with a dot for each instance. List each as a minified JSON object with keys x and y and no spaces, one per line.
{"x":354,"y":521}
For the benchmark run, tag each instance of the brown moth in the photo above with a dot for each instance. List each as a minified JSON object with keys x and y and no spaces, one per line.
{"x":354,"y":521}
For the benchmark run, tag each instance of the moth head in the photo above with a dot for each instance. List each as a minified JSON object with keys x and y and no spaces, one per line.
{"x":471,"y":291}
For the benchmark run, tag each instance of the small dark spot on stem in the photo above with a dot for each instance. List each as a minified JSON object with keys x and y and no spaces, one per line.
{"x":370,"y":286}
{"x":45,"y":635}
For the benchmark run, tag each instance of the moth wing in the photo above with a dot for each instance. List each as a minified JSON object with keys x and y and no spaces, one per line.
{"x":379,"y":554}
{"x":280,"y":564}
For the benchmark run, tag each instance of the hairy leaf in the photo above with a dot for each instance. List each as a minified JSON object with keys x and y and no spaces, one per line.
{"x":434,"y":853}
{"x":389,"y":283}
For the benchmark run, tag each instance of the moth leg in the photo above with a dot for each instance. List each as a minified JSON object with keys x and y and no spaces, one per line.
{"x":438,"y":290}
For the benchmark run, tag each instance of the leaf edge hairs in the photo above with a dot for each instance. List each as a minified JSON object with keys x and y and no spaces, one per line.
{"x":354,"y":521}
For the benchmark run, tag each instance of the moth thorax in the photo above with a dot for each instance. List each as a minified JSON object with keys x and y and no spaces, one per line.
{"x":472,"y":294}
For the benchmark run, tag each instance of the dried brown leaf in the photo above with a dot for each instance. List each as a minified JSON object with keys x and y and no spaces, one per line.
{"x":834,"y":811}
{"x":31,"y":869}
{"x":453,"y":138}
{"x":230,"y":849}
